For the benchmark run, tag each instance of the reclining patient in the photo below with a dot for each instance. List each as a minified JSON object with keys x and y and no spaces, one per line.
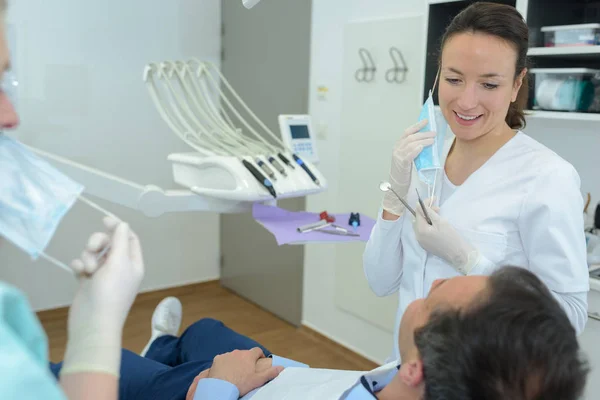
{"x":474,"y":337}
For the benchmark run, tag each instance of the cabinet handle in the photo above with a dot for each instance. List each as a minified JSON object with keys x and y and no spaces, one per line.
{"x":594,"y":315}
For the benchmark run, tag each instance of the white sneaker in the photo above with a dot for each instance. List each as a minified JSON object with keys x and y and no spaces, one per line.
{"x":166,"y":320}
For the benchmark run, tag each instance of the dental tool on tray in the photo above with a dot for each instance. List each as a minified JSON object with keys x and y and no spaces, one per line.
{"x":189,"y":97}
{"x":319,"y":227}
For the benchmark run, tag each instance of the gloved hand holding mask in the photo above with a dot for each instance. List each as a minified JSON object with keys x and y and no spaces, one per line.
{"x":406,"y":150}
{"x":103,"y":300}
{"x":428,"y":162}
{"x":34,"y":198}
{"x":421,"y":144}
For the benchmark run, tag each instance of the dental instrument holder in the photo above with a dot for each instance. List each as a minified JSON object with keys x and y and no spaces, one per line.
{"x":225,"y":177}
{"x":228,"y":162}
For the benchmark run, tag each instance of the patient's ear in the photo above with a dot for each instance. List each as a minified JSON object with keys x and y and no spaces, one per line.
{"x":411,"y":373}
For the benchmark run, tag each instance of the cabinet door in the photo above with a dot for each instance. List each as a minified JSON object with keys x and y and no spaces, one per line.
{"x":266,"y":59}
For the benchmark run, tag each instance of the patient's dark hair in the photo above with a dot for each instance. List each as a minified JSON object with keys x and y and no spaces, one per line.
{"x":515,"y":343}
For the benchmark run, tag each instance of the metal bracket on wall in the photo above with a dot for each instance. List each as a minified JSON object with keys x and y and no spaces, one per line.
{"x":367,"y":72}
{"x":397,"y":74}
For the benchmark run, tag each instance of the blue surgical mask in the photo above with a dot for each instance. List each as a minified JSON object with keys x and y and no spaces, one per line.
{"x":34,"y":197}
{"x":428,"y":162}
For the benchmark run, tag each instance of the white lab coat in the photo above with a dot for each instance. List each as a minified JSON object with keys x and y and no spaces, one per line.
{"x":523,"y":208}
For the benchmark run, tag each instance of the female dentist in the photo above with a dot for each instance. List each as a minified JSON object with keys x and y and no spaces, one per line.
{"x":98,"y":311}
{"x":501,"y":197}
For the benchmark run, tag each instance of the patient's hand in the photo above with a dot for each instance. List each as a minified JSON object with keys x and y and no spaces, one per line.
{"x":246,"y":369}
{"x":263,"y":364}
{"x":192,"y":390}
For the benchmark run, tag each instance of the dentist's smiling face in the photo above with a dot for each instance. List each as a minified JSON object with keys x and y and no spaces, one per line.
{"x":477,"y":84}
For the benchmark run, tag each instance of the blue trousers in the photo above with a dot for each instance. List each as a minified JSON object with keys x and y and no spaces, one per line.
{"x":172,"y":363}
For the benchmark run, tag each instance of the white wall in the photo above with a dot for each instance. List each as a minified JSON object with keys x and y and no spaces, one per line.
{"x":81,"y":95}
{"x":320,"y":311}
{"x":577,"y":142}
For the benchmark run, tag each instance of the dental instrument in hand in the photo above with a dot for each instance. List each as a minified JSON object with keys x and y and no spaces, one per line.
{"x":386,"y":186}
{"x":423,"y":208}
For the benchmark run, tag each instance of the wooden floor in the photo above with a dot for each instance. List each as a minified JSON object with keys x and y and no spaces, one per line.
{"x":212,"y":300}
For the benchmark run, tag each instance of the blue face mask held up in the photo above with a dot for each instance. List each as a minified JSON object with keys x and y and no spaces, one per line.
{"x":428,"y":162}
{"x":34,"y":198}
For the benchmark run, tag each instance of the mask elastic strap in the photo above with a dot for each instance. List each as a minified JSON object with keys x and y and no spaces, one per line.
{"x":437,"y":76}
{"x":56,"y":262}
{"x":106,"y":212}
{"x":99,"y":208}
{"x":436,"y":80}
{"x":95,"y":206}
{"x":433,"y":190}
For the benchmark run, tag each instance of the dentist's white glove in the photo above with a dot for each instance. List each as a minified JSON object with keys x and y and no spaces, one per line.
{"x":107,"y":289}
{"x":443,"y":241}
{"x":406,"y":149}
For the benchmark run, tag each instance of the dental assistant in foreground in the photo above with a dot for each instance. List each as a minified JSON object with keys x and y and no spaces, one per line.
{"x":501,"y":197}
{"x":97,"y":314}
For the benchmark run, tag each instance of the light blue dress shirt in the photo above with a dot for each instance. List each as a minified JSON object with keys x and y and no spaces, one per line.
{"x":364,"y":389}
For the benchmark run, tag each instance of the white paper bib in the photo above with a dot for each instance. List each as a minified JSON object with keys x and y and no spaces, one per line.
{"x":309,"y":383}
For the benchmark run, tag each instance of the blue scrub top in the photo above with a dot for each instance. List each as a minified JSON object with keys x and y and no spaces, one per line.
{"x":24,"y":371}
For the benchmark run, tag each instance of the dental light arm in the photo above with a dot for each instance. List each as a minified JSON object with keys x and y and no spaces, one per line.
{"x":151,"y":200}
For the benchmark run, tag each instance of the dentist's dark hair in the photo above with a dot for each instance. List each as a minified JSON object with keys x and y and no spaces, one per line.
{"x":513,"y":342}
{"x":506,"y":23}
